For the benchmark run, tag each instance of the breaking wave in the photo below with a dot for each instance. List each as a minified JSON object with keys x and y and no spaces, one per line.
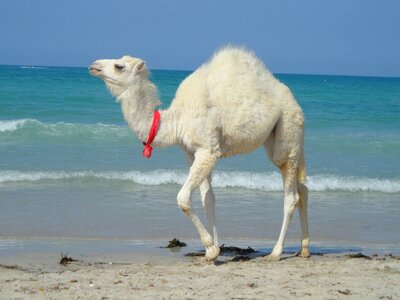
{"x":26,"y":128}
{"x":12,"y":125}
{"x":249,"y":180}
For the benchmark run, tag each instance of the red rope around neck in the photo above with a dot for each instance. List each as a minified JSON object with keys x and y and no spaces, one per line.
{"x":152,"y":134}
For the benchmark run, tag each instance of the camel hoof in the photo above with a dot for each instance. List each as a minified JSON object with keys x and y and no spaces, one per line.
{"x":273,"y":257}
{"x":212,"y":253}
{"x":305,"y":253}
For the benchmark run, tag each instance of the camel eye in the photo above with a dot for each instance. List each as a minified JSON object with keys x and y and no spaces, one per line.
{"x":119,"y":67}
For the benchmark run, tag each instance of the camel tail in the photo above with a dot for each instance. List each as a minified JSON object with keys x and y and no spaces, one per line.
{"x":301,"y":169}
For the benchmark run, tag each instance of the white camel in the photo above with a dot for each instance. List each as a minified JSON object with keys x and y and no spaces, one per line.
{"x":230,"y":105}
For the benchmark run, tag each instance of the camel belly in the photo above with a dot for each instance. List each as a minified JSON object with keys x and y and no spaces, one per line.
{"x":247,"y":134}
{"x":243,"y":149}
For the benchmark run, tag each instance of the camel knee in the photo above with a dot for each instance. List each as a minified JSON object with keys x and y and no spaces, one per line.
{"x":291,"y":202}
{"x":184,"y":200}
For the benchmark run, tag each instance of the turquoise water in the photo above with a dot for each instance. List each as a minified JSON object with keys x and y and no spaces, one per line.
{"x":67,"y":157}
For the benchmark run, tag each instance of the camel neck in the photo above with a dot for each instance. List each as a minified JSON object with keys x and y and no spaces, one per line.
{"x":138,"y":106}
{"x":137,"y":114}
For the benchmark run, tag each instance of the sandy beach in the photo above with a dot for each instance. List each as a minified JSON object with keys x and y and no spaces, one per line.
{"x":330,"y":276}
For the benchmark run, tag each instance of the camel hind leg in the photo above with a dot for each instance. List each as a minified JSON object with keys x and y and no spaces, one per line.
{"x":303,"y":207}
{"x":291,"y":199}
{"x":285,"y":149}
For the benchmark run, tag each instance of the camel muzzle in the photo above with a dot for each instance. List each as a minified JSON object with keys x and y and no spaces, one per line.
{"x":95,"y":69}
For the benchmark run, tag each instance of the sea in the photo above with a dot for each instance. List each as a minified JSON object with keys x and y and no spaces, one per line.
{"x":71,"y":170}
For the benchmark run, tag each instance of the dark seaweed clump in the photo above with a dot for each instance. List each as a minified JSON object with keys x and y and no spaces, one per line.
{"x":358,"y":255}
{"x":176,"y":243}
{"x":65,"y":260}
{"x":241,"y":258}
{"x":232,"y":249}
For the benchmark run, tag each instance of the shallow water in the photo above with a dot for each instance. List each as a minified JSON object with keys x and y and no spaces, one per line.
{"x":134,"y":211}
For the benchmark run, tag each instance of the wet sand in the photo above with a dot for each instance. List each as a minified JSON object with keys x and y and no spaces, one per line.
{"x":106,"y":276}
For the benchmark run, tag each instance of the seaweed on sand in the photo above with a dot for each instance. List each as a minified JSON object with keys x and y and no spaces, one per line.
{"x":176,"y":243}
{"x":65,"y":260}
{"x":358,"y":255}
{"x":232,"y":249}
{"x":195,"y":254}
{"x":241,"y":258}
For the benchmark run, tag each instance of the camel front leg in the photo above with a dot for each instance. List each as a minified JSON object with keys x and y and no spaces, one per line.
{"x":200,"y":170}
{"x":207,"y":199}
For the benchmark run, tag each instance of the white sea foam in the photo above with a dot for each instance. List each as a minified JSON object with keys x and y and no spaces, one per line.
{"x":11,"y":125}
{"x":249,"y":180}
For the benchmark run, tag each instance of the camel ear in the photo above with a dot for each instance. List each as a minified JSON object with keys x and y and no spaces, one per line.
{"x":139,"y":67}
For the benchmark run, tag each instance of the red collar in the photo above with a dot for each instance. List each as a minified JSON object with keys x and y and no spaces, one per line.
{"x":152,"y":134}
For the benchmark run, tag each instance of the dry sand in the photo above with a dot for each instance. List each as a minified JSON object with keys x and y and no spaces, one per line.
{"x":319,"y":277}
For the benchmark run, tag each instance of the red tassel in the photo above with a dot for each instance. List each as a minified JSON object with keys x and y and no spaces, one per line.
{"x":147,"y":151}
{"x":152,"y":134}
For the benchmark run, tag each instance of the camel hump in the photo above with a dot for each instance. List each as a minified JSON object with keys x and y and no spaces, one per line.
{"x":236,"y":73}
{"x":237,"y":58}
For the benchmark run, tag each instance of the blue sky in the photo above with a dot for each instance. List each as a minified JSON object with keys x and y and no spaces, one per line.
{"x":349,"y":37}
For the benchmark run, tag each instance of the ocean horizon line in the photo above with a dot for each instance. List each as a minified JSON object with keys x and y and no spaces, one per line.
{"x":33,"y":66}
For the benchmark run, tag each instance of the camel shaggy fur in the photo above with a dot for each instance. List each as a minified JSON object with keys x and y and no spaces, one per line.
{"x":230,"y":105}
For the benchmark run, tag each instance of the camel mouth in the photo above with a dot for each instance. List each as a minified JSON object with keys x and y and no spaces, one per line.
{"x":94,"y":70}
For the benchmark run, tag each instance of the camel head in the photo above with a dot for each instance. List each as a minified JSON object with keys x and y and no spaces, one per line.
{"x":119,"y":74}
